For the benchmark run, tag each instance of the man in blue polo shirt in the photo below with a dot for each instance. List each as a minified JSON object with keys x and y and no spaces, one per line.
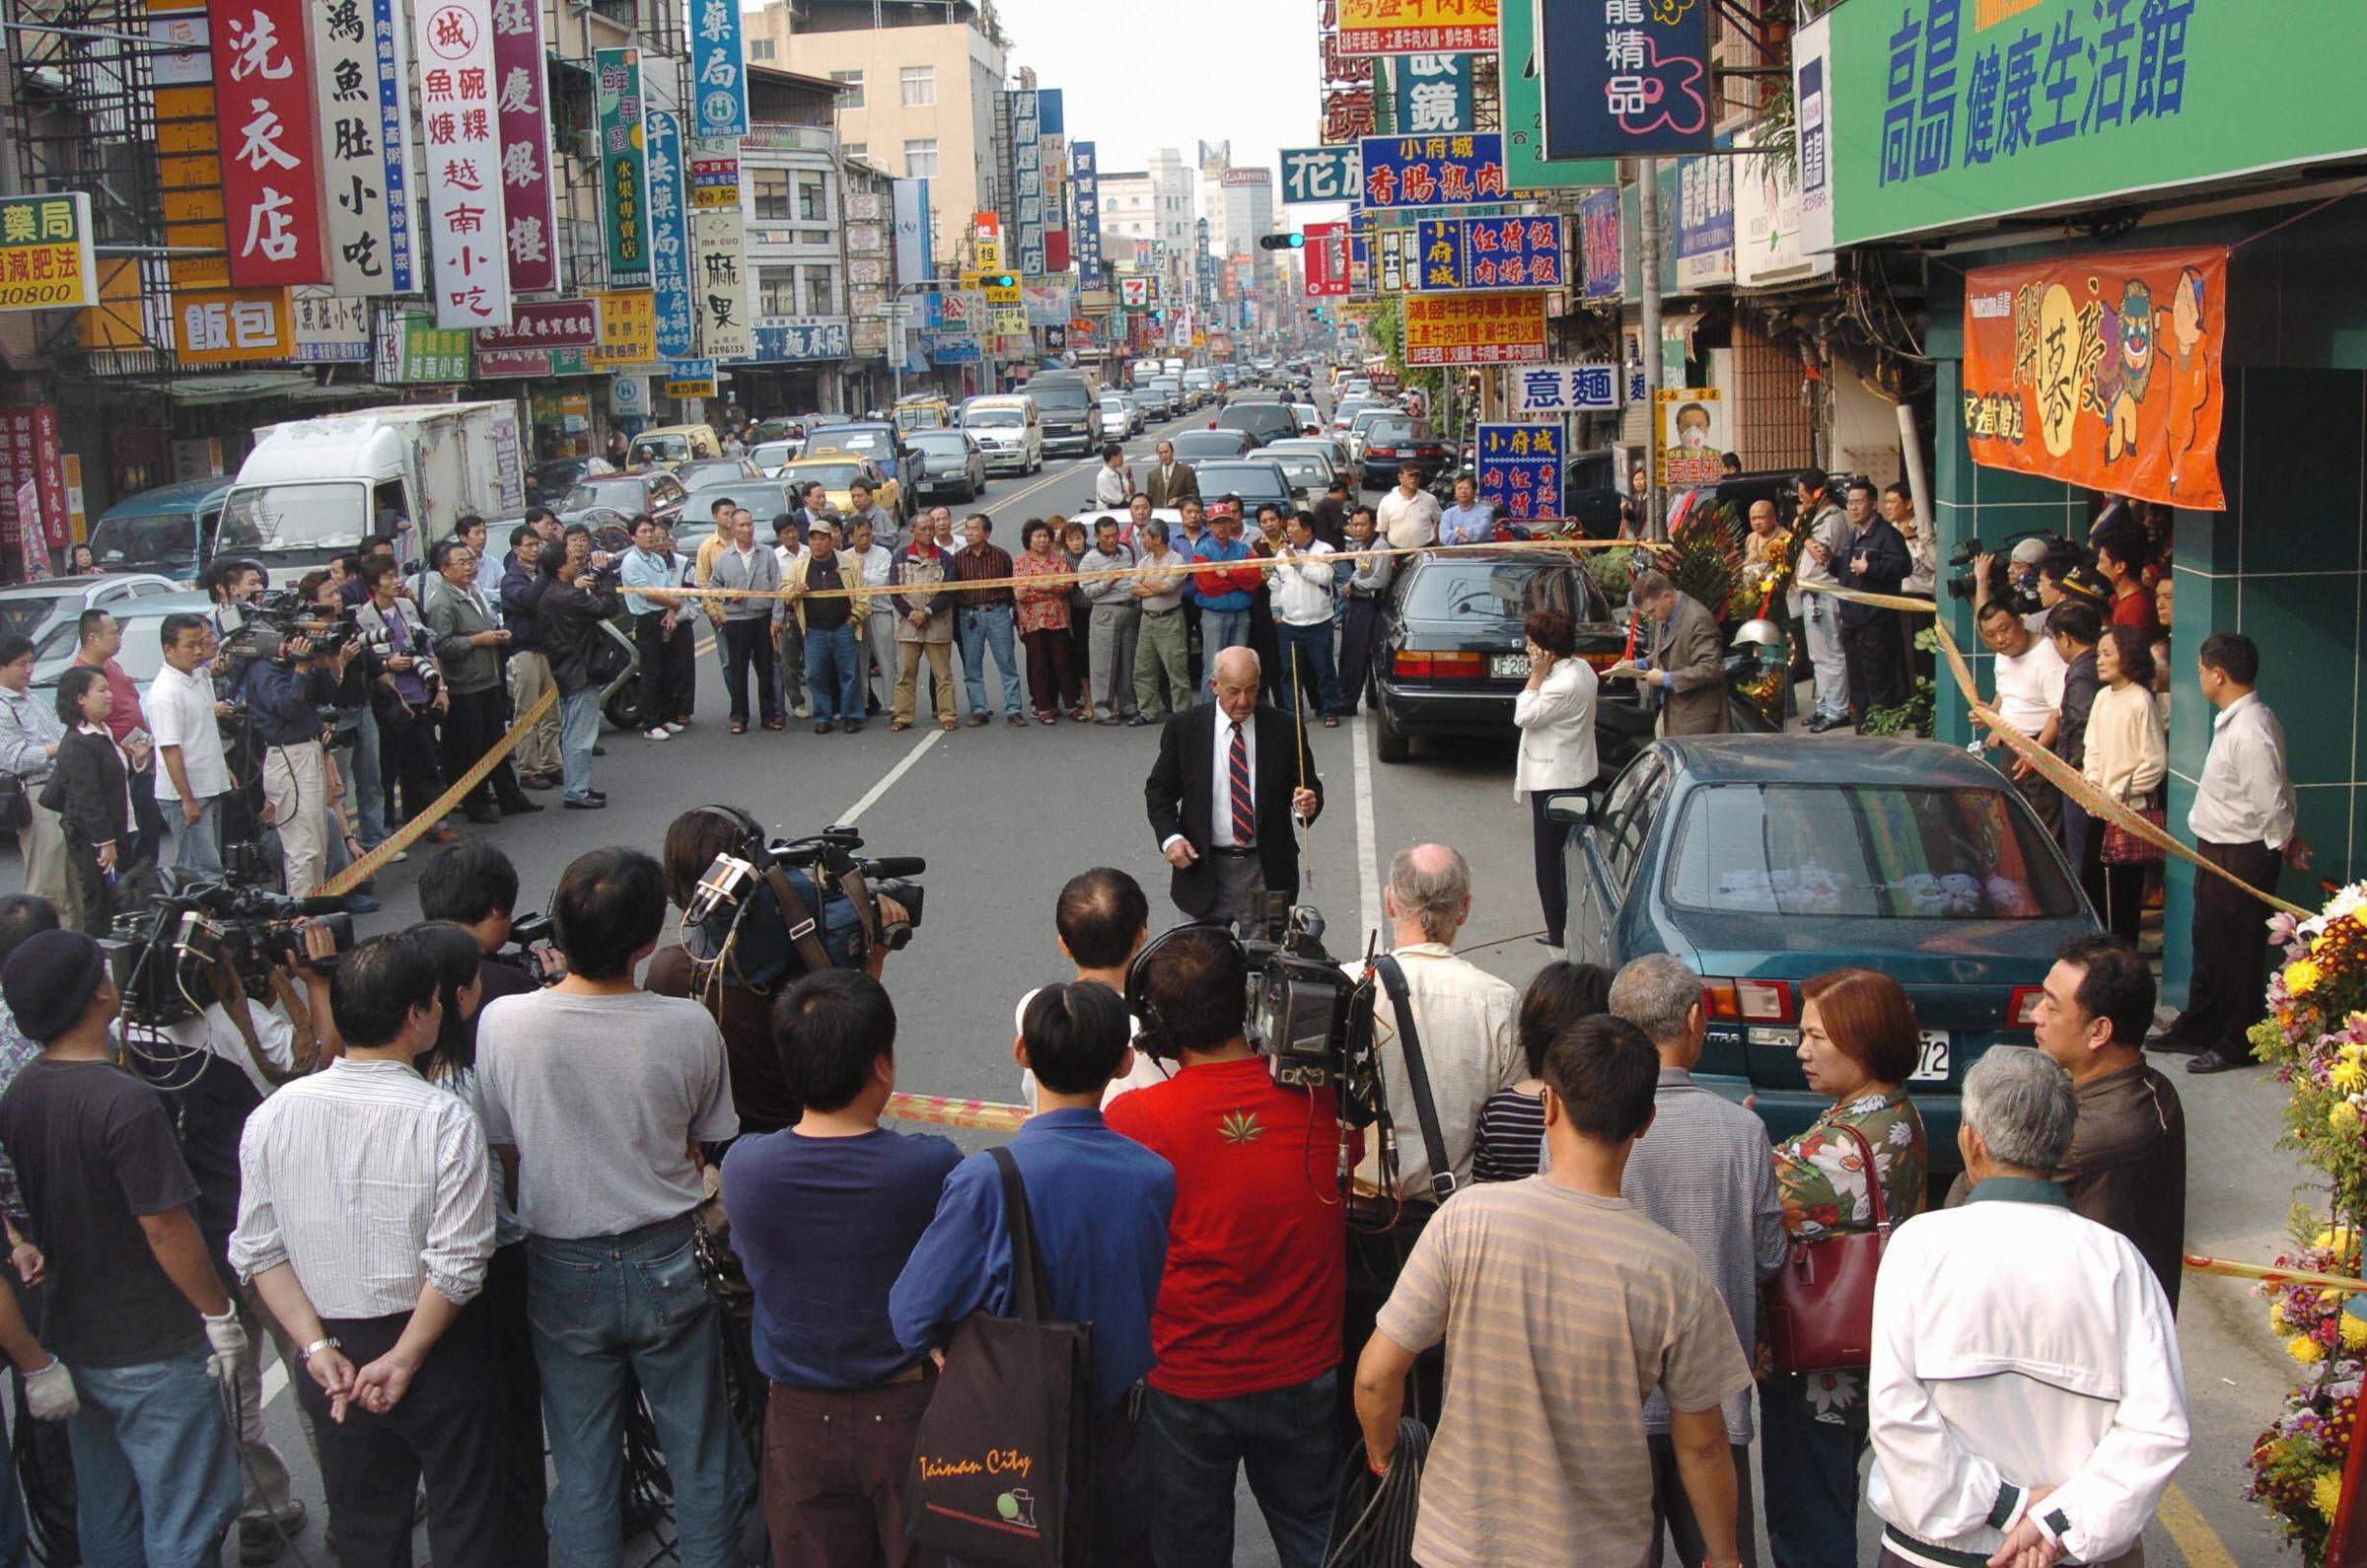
{"x":825,"y":1215}
{"x":1099,"y":1204}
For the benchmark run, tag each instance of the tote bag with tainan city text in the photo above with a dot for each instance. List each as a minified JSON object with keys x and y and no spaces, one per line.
{"x":1000,"y":1473}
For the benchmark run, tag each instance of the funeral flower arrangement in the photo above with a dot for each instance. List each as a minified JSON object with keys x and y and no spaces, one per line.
{"x":2316,"y":1036}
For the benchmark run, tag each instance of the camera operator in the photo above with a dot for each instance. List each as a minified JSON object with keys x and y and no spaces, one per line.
{"x":575,"y":601}
{"x":285,"y":696}
{"x":474,"y":886}
{"x":407,"y":695}
{"x":469,"y":641}
{"x":604,"y":1092}
{"x":522,"y":583}
{"x":1466,"y":1021}
{"x":352,"y":746}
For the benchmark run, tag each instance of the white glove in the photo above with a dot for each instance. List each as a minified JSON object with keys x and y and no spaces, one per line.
{"x":50,"y":1392}
{"x":229,"y":1342}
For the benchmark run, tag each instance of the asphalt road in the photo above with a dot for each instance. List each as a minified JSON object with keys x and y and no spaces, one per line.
{"x":1004,"y":815}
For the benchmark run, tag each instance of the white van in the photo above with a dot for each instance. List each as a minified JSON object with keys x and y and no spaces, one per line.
{"x":1008,"y":431}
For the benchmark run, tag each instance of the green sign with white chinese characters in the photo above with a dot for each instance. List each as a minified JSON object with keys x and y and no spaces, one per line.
{"x":1523,"y":79}
{"x":413,"y":350}
{"x":1954,"y":111}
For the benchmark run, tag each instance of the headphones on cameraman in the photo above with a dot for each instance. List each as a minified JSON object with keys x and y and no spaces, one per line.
{"x":1151,"y":1035}
{"x":753,"y":845}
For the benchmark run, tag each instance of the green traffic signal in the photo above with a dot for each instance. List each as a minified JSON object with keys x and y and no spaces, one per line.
{"x":1002,"y":280}
{"x":1281,"y":241}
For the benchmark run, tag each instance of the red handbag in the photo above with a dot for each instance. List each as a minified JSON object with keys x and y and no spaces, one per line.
{"x":1819,"y":1305}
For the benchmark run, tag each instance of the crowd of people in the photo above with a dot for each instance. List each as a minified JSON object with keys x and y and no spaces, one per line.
{"x":470,"y":1198}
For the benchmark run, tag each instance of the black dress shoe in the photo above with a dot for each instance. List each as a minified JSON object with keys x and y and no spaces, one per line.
{"x":521,"y":806}
{"x":484,"y":816}
{"x":850,"y":726}
{"x":590,"y":803}
{"x":598,"y":750}
{"x":2210,"y":1061}
{"x":539,"y":781}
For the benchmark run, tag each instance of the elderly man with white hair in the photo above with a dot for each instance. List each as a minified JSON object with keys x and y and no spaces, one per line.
{"x":2027,"y":1399}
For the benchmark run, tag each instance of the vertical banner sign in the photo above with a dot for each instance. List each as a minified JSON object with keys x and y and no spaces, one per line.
{"x":31,"y":469}
{"x":529,"y":198}
{"x":670,"y":236}
{"x":1689,"y":436}
{"x":915,"y":263}
{"x":1626,"y":78}
{"x":360,"y":89}
{"x":1088,"y":166}
{"x":719,"y":251}
{"x":464,"y":163}
{"x":1706,"y":221}
{"x":718,"y":85}
{"x":1326,"y":259}
{"x":1432,"y":94}
{"x":624,"y":164}
{"x":1812,"y":82}
{"x":1027,"y":179}
{"x":270,"y":156}
{"x":1604,"y":262}
{"x":1520,"y":470}
{"x":2101,"y":371}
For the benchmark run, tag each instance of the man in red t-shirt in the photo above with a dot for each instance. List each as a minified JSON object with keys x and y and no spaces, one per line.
{"x":1246,"y":1329}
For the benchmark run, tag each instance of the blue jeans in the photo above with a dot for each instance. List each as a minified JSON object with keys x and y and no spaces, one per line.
{"x":197,"y":849}
{"x":1289,"y":1441}
{"x":608,"y":1312}
{"x":579,"y":727}
{"x":1809,"y":1471}
{"x":156,"y":1467}
{"x":981,"y":629}
{"x":835,"y":668}
{"x":1221,"y":629}
{"x":359,"y":762}
{"x":1313,"y":672}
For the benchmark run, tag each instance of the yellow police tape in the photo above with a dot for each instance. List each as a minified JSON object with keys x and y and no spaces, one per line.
{"x":2057,"y":771}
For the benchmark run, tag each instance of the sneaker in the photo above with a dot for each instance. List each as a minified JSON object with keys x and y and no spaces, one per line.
{"x":676,"y":726}
{"x":661,"y":733}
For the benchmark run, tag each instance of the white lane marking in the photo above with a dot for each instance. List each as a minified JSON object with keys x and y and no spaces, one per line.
{"x":275,"y":1382}
{"x":1368,"y":870}
{"x":887,"y":782}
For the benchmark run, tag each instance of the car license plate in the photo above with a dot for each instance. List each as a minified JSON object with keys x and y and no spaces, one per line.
{"x":1931,"y":1062}
{"x":1508,"y":667}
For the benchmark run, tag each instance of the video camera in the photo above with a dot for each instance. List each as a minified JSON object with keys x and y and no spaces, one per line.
{"x":529,"y":949}
{"x":161,"y":958}
{"x":773,"y":907}
{"x":2004,"y":585}
{"x":1311,"y":1018}
{"x":259,"y":627}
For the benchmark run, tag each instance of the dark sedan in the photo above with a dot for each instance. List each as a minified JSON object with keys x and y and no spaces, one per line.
{"x":1394,"y":442}
{"x":1200,"y":446}
{"x":1255,"y":480}
{"x":947,"y":462}
{"x":1261,"y":422}
{"x":1764,"y":861}
{"x":1448,"y":656}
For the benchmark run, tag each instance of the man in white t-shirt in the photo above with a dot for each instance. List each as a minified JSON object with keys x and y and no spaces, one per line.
{"x":192,"y":774}
{"x":2030,"y":699}
{"x":1410,"y":515}
{"x":1104,"y":919}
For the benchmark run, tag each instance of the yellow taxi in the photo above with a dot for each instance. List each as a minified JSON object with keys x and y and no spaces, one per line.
{"x":668,"y":446}
{"x":836,"y":473}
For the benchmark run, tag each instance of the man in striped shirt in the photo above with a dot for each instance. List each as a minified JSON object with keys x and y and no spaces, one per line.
{"x":366,"y":1222}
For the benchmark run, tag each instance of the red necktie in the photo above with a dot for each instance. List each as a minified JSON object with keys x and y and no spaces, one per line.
{"x":1245,"y":804}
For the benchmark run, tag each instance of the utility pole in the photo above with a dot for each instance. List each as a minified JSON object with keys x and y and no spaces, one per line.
{"x":1647,"y":210}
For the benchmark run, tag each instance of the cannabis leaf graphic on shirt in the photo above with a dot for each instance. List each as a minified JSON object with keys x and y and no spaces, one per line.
{"x":1239,"y":1127}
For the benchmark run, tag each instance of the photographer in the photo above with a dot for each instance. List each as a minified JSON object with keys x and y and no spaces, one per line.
{"x":474,"y":887}
{"x":575,"y":601}
{"x":408,"y":696}
{"x":522,"y":583}
{"x":284,"y":700}
{"x":352,"y":748}
{"x":468,"y":642}
{"x":1468,"y":1025}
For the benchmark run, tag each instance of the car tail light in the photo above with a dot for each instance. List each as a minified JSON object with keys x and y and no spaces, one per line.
{"x":1603,"y":659}
{"x":2022,"y":1008}
{"x":1746,"y":1001}
{"x":1443,"y":666}
{"x":1380,"y":451}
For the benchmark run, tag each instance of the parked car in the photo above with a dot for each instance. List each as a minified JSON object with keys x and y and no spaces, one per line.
{"x":140,"y":619}
{"x":1764,"y":861}
{"x":947,"y":462}
{"x":653,"y":491}
{"x":1256,"y":480}
{"x":696,"y":473}
{"x":37,"y":610}
{"x":162,"y":531}
{"x":1261,"y":422}
{"x":1200,"y":446}
{"x":1331,"y":449}
{"x":1392,"y":441}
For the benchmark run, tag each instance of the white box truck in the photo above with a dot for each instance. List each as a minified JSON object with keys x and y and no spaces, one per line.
{"x":313,"y":489}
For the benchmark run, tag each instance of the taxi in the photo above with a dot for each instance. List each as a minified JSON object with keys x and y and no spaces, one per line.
{"x":836,"y":473}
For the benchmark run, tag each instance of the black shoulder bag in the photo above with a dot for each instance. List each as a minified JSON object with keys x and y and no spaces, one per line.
{"x":1417,"y":1076}
{"x":1000,"y":1473}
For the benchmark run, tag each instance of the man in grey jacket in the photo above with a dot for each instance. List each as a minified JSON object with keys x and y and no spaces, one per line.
{"x":1685,"y":675}
{"x":1116,"y":622}
{"x":470,"y":640}
{"x":751,"y":625}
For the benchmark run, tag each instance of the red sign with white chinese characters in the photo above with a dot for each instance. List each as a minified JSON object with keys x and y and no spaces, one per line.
{"x":527,"y":200}
{"x":29,"y":452}
{"x":1326,"y":260}
{"x":271,"y":199}
{"x":547,"y":323}
{"x":452,"y":49}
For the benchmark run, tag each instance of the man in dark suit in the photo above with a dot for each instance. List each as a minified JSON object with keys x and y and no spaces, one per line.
{"x":1875,"y":560}
{"x":1684,"y":675}
{"x":1167,"y":481}
{"x":1230,"y":844}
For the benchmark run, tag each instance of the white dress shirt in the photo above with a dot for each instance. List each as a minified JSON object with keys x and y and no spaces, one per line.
{"x":370,"y":1182}
{"x":2245,"y":795}
{"x":1220,"y":799}
{"x":2017,"y":1344}
{"x":1471,"y":1047}
{"x":180,"y":713}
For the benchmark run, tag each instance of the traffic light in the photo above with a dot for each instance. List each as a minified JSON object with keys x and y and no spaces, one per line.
{"x":998,"y":280}
{"x":1281,"y":241}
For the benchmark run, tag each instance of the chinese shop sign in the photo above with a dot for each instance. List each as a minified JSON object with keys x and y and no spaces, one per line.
{"x":231,"y":326}
{"x":45,"y":256}
{"x":719,"y":251}
{"x":623,"y":164}
{"x":31,"y":468}
{"x":1604,"y":262}
{"x":1474,"y":329}
{"x":454,"y":50}
{"x":670,"y":236}
{"x":1689,"y":436}
{"x":1432,"y":171}
{"x":361,"y":86}
{"x":628,"y":329}
{"x":1566,"y":389}
{"x":2101,"y":371}
{"x":1520,"y":83}
{"x":545,"y":323}
{"x":718,"y":87}
{"x":1627,"y":78}
{"x":530,"y":221}
{"x":1456,"y":254}
{"x":1415,"y":27}
{"x":1520,"y":470}
{"x":412,"y":350}
{"x":270,"y":158}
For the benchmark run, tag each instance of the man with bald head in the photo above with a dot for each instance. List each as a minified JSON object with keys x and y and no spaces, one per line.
{"x":1232,"y":781}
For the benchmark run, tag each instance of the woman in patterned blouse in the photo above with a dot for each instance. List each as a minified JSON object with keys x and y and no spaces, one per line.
{"x":1043,"y":623}
{"x":1857,"y":1043}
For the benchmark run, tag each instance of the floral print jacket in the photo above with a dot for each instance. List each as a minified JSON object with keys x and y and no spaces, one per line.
{"x":1822,"y":1177}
